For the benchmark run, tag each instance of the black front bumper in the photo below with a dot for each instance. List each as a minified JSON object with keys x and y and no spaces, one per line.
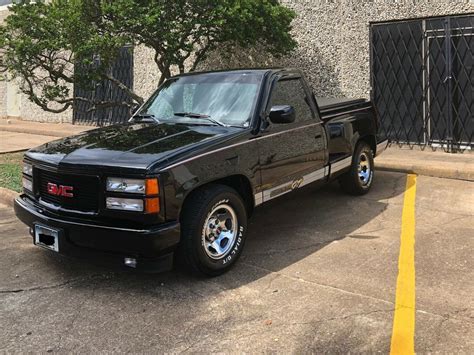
{"x":152,"y":248}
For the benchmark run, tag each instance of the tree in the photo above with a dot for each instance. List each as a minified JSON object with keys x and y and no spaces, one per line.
{"x":52,"y":46}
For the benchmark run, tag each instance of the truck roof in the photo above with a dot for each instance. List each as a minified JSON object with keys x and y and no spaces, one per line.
{"x":242,"y":71}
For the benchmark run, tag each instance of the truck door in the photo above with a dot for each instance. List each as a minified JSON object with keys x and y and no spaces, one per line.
{"x":292,"y":154}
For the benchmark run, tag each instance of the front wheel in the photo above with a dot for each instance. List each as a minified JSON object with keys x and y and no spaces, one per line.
{"x":213,"y":230}
{"x":358,"y":180}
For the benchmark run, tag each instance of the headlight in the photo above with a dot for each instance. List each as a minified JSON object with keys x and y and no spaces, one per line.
{"x":133,"y":186}
{"x":124,"y":204}
{"x":28,"y":184}
{"x":28,"y":169}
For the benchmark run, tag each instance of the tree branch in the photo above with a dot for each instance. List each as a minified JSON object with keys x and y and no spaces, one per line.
{"x":125,"y":88}
{"x":200,"y":56}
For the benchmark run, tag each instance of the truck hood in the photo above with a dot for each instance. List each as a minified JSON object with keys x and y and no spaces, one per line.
{"x":131,"y":145}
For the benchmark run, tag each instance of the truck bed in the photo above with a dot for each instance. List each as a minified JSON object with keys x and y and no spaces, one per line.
{"x":334,"y":106}
{"x":332,"y":109}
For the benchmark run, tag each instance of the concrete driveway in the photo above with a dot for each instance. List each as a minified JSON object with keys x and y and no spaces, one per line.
{"x":318,"y":274}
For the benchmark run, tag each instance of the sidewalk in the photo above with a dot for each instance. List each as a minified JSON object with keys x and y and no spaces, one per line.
{"x":438,"y":163}
{"x":21,"y":135}
{"x":40,"y":128}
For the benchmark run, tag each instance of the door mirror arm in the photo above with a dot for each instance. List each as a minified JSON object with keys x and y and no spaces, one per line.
{"x":265,"y":124}
{"x":134,"y":108}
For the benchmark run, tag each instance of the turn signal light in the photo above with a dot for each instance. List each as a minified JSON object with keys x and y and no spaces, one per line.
{"x":152,"y":187}
{"x":152,"y":205}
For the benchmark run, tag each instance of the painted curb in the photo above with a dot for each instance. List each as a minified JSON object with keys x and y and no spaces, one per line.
{"x":14,"y":151}
{"x":434,"y":171}
{"x":7,"y":196}
{"x":38,"y":132}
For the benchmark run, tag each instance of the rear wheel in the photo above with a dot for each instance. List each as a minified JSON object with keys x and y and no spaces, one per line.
{"x":358,"y":180}
{"x":213,"y":230}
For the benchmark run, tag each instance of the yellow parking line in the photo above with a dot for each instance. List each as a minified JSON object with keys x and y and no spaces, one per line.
{"x":403,"y":333}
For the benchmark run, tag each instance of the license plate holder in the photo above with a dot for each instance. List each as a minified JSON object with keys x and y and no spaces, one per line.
{"x":47,"y":237}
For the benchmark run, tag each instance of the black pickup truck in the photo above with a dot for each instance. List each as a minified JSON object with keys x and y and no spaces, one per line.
{"x":180,"y":179}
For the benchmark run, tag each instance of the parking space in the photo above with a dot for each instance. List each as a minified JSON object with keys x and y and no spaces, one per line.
{"x":318,"y":274}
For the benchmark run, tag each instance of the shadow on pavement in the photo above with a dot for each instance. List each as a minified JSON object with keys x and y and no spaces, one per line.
{"x":87,"y":308}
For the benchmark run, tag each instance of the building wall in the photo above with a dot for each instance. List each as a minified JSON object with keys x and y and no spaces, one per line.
{"x":333,"y":51}
{"x":31,"y":112}
{"x":354,"y":63}
{"x":14,"y":104}
{"x":333,"y":43}
{"x":3,"y":84}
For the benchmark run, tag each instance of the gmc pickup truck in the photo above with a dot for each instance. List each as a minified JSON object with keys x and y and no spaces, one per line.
{"x":179,"y":181}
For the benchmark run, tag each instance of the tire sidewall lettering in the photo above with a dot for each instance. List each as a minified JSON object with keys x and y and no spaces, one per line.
{"x":236,"y":248}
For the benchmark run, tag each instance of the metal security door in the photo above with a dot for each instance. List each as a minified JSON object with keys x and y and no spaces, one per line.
{"x":449,"y":77}
{"x":422,"y":80}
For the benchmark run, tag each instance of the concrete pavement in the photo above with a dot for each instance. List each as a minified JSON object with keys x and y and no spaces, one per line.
{"x":7,"y":196}
{"x":320,"y":279}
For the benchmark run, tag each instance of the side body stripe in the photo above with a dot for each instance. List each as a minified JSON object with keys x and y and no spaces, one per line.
{"x":280,"y":190}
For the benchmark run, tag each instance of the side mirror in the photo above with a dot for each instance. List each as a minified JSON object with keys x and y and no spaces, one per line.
{"x":282,"y":114}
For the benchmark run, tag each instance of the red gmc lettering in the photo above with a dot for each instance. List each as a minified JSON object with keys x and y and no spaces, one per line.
{"x":61,"y":190}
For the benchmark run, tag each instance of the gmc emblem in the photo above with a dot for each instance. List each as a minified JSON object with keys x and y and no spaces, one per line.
{"x":60,"y":190}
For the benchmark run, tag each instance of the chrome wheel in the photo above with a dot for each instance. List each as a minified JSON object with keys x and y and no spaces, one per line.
{"x":364,"y":169}
{"x":220,"y":231}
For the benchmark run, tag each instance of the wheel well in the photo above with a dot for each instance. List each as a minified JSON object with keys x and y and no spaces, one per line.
{"x":239,"y":183}
{"x":370,"y":140}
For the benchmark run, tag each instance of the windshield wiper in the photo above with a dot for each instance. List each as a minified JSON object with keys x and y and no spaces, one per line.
{"x":199,"y":115}
{"x":146,"y":116}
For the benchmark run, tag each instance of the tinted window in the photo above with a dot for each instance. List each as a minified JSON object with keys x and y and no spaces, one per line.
{"x":291,"y":92}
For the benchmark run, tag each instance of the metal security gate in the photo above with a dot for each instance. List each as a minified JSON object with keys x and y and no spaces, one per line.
{"x":122,"y":70}
{"x":423,"y":81}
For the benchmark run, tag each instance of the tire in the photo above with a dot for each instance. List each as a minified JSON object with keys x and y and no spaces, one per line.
{"x":358,"y":180}
{"x":208,"y":246}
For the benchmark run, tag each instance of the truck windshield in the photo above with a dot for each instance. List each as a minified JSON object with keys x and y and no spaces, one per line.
{"x":226,"y":99}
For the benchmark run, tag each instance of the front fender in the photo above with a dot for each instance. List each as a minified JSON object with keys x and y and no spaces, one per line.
{"x":181,"y":179}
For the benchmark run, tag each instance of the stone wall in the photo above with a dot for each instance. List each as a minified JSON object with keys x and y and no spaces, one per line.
{"x":333,"y":51}
{"x":3,"y":84}
{"x":19,"y":104}
{"x":356,"y":15}
{"x":333,"y":43}
{"x":31,"y":112}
